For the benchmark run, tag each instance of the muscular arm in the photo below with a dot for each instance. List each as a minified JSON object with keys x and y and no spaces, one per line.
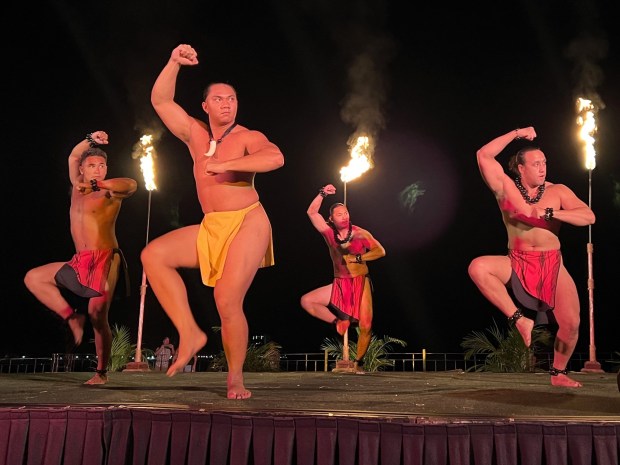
{"x":316,"y":218}
{"x":262,"y":156}
{"x":375,"y":249}
{"x":572,"y":209}
{"x":491,"y":170}
{"x":119,"y":187}
{"x":74,"y":162}
{"x":101,"y":138}
{"x":172,"y":115}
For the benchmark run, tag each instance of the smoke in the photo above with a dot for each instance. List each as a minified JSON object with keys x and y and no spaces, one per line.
{"x":586,"y":51}
{"x":363,"y":106}
{"x":368,"y":49}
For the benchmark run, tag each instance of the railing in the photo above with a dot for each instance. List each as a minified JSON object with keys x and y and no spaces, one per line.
{"x":25,"y":365}
{"x":310,"y":362}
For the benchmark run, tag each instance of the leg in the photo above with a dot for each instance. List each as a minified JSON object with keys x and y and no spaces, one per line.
{"x":315,"y":303}
{"x":491,"y":274}
{"x":566,"y":313}
{"x":161,"y":259}
{"x":365,"y":324}
{"x":40,"y":281}
{"x":98,"y":310}
{"x":244,"y":257}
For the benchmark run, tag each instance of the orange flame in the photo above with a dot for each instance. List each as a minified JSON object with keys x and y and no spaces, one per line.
{"x":587,"y":123}
{"x":147,"y":164}
{"x":360,"y":160}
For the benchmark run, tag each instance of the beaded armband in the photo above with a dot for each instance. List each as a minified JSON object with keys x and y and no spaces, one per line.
{"x":91,"y":141}
{"x":548,"y":214}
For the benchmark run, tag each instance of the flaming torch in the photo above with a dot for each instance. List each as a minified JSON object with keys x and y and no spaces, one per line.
{"x":360,"y":162}
{"x":587,"y":124}
{"x":145,"y":152}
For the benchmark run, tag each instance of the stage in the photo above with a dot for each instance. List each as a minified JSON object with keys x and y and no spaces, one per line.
{"x":309,"y":418}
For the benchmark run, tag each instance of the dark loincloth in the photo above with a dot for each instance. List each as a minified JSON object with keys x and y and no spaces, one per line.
{"x":87,"y":272}
{"x":346,"y":298}
{"x":534,"y":279}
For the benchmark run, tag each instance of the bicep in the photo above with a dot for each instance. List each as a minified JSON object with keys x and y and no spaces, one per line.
{"x":176,"y":119}
{"x":492,"y":173}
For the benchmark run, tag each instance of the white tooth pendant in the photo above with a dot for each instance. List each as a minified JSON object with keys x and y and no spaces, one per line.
{"x":212,"y":145}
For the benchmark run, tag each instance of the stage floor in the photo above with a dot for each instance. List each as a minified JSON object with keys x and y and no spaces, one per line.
{"x":435,"y":397}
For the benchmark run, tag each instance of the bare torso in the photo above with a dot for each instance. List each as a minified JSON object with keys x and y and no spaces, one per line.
{"x":338,"y":252}
{"x":523,"y":235}
{"x":228,"y":191}
{"x":93,"y":217}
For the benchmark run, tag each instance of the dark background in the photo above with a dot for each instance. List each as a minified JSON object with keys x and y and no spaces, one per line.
{"x":434,"y":82}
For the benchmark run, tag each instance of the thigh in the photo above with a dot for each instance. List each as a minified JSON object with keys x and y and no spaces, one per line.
{"x":45,"y":273}
{"x":566,"y":299}
{"x":366,"y":305}
{"x":176,"y":249}
{"x":495,"y":265}
{"x":320,"y":295}
{"x":246,"y":252}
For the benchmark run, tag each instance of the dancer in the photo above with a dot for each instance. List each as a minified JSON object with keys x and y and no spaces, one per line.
{"x":348,"y":299}
{"x":533,"y":209}
{"x":234,"y":239}
{"x":94,"y":270}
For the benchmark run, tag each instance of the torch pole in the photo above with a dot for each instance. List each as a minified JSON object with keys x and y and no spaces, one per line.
{"x":138,"y":364}
{"x":345,"y":194}
{"x":592,"y":365}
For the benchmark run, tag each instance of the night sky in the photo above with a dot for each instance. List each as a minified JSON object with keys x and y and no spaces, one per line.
{"x":432,"y":84}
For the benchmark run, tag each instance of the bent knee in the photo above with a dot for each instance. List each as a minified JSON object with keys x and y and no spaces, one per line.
{"x":305,"y":301}
{"x":477,"y":269}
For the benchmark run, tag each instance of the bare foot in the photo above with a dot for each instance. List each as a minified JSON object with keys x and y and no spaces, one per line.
{"x":565,"y":381}
{"x":358,"y":369}
{"x":76,"y":325}
{"x":342,"y":326}
{"x":97,"y":379}
{"x":524,"y":326}
{"x":236,"y":389}
{"x":189,"y":345}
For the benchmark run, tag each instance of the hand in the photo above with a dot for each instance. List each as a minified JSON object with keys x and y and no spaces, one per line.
{"x":213,"y":167}
{"x":329,"y":189}
{"x":184,"y":55}
{"x":84,"y":188}
{"x":526,"y":133}
{"x":100,"y":137}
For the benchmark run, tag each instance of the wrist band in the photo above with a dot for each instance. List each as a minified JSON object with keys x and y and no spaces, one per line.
{"x":91,"y":141}
{"x":322,"y":193}
{"x":517,"y":136}
{"x":94,"y":186}
{"x":358,"y":258}
{"x":548,"y":214}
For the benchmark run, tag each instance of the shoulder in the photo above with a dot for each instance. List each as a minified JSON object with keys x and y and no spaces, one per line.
{"x":560,"y":189}
{"x":361,"y":232}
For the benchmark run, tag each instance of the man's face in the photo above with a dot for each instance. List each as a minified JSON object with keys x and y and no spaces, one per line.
{"x":340,"y":217}
{"x":221,"y":103}
{"x":94,"y":167}
{"x":534,"y":170}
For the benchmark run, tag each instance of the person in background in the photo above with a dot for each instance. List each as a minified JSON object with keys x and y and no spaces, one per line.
{"x":163,"y":355}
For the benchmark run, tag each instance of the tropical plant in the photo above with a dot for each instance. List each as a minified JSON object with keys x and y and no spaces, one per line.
{"x":258,"y":358}
{"x":375,"y":358}
{"x":122,"y":350}
{"x":505,"y":352}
